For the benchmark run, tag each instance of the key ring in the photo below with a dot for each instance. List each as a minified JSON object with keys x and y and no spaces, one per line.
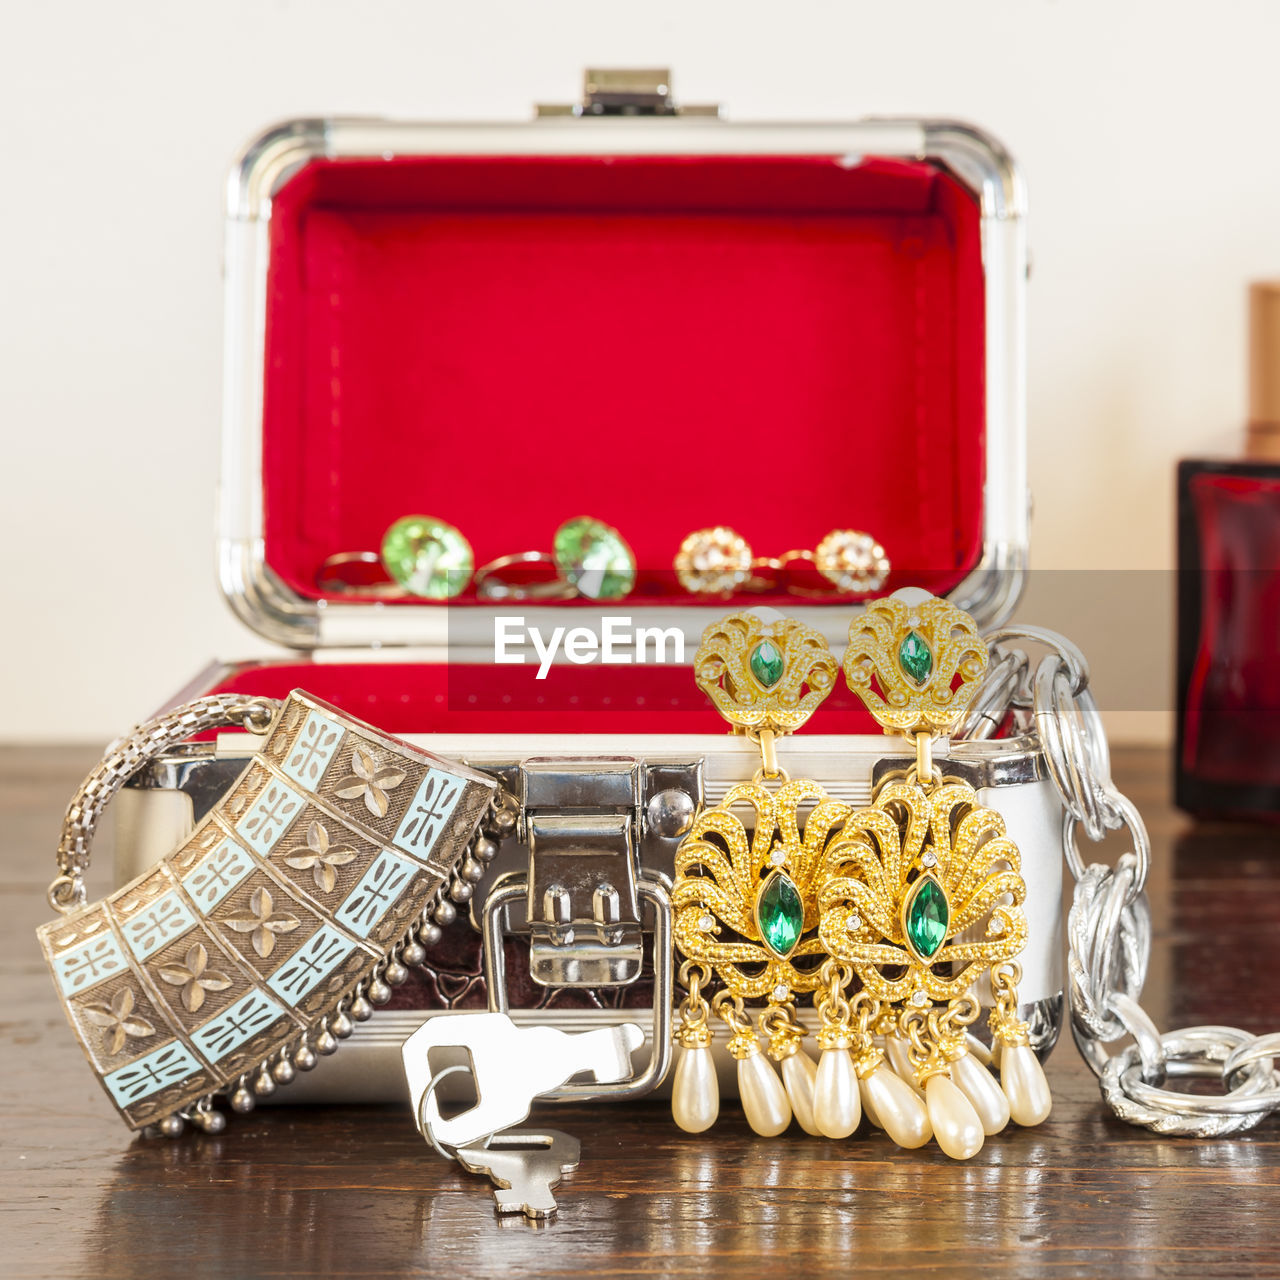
{"x":426,"y":1124}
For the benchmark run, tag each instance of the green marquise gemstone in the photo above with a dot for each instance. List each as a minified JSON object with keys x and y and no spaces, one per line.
{"x":780,"y":914}
{"x":767,"y":663}
{"x":915,"y":658}
{"x":427,"y":557}
{"x":595,"y":557}
{"x":926,"y":917}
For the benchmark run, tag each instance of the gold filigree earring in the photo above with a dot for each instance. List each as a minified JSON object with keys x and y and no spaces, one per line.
{"x":745,"y":911}
{"x":923,"y":898}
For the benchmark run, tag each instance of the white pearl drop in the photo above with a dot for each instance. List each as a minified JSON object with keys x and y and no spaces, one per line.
{"x":1022,"y":1078}
{"x":955,"y":1123}
{"x":799,"y":1076}
{"x":895,"y":1049}
{"x":899,"y":1111}
{"x":695,"y":1092}
{"x":868,"y":1105}
{"x":837,"y":1107}
{"x":980,"y":1087}
{"x":764,"y":1100}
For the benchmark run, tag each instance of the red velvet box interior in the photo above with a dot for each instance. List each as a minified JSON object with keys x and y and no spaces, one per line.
{"x":783,"y":345}
{"x":787,"y":345}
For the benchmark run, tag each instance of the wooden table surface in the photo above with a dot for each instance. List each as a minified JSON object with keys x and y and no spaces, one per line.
{"x":299,"y":1192}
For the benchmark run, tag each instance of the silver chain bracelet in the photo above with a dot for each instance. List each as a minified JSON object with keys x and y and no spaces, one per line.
{"x":1109,"y":927}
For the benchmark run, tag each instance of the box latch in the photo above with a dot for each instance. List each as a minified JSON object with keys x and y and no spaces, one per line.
{"x":627,"y":92}
{"x":600,"y":833}
{"x":581,"y":826}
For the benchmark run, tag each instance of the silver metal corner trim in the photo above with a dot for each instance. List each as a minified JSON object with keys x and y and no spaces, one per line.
{"x":261,"y":601}
{"x":268,"y":161}
{"x":983,"y":162}
{"x":993,"y":588}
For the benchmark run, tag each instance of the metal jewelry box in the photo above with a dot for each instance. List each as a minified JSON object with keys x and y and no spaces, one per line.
{"x":667,"y":319}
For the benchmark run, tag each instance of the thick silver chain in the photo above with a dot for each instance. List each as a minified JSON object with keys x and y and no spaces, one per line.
{"x":1109,"y":927}
{"x":122,"y":759}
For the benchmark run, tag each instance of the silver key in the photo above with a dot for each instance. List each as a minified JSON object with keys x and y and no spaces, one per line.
{"x":511,"y":1065}
{"x":524,"y":1165}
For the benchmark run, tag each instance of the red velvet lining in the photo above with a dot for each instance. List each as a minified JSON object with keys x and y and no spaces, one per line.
{"x":420,"y":698}
{"x":783,"y":344}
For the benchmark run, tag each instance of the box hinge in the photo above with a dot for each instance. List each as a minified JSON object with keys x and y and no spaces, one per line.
{"x":626,"y":92}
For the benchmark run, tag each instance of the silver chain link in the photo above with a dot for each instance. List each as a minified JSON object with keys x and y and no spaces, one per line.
{"x":1109,"y":927}
{"x":125,"y":757}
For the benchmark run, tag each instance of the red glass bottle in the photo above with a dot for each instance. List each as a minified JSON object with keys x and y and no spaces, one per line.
{"x":1228,"y":750}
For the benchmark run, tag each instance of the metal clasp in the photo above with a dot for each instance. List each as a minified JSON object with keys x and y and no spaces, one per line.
{"x":586,"y":823}
{"x":594,"y":827}
{"x":626,"y":92}
{"x":580,"y":820}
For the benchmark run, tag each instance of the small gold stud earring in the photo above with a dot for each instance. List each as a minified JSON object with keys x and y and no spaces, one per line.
{"x":719,"y":561}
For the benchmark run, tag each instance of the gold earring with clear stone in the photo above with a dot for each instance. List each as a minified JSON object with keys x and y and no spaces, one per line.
{"x":718,"y":561}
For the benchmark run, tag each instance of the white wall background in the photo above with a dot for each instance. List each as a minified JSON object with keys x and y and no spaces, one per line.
{"x":1147,"y":130}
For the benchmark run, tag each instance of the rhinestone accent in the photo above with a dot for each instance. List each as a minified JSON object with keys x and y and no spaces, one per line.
{"x":767,"y":663}
{"x":927,"y":917}
{"x":714,"y":562}
{"x":853,"y":924}
{"x":595,"y":558}
{"x":928,"y":859}
{"x":852,"y":561}
{"x":915,"y":658}
{"x":427,"y":557}
{"x":919,"y":999}
{"x":780,"y":914}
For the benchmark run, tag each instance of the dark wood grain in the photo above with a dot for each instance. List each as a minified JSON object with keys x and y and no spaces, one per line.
{"x":355,"y":1192}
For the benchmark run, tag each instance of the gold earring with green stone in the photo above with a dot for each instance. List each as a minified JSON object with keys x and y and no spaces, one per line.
{"x":922,"y":896}
{"x":745,"y":911}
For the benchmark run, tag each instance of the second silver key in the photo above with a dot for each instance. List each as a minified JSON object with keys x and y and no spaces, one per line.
{"x":524,"y":1165}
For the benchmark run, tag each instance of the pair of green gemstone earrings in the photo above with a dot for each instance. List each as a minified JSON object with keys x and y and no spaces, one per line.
{"x":429,"y":559}
{"x":900,"y":920}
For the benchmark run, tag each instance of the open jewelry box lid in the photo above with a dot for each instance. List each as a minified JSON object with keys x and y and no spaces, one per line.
{"x":664,"y":321}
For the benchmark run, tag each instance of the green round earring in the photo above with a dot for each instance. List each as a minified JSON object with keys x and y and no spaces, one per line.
{"x":591,"y":559}
{"x":425,"y":557}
